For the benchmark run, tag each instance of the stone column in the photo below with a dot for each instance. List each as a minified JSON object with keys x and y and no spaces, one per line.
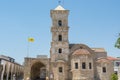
{"x":8,"y":70}
{"x":12,"y":68}
{"x":4,"y":63}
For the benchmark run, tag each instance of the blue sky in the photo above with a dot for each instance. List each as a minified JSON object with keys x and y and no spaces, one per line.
{"x":95,"y":23}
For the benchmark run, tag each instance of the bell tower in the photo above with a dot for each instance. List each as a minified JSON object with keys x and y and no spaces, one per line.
{"x":59,"y":29}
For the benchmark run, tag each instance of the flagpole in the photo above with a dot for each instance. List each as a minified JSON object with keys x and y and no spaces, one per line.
{"x":30,"y":39}
{"x":28,"y":48}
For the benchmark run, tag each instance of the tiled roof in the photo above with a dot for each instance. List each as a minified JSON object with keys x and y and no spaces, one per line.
{"x":111,"y":58}
{"x":98,"y":49}
{"x":81,"y":51}
{"x":103,"y":60}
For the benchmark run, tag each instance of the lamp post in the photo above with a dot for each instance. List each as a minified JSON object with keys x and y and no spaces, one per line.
{"x":14,"y":77}
{"x":28,"y":78}
{"x":51,"y":76}
{"x":47,"y":78}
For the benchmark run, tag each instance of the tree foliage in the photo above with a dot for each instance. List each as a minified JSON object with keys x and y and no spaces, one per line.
{"x":114,"y":77}
{"x":117,"y":44}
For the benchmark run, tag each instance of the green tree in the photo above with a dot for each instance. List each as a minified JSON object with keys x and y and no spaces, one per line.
{"x":117,"y":44}
{"x":114,"y":77}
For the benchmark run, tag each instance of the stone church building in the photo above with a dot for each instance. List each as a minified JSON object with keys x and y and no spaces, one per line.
{"x":67,"y":61}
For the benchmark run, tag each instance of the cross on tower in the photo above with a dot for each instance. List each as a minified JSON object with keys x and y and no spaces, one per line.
{"x":59,"y":2}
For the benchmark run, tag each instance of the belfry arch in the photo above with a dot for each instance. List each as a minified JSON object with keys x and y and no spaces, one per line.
{"x":38,"y":71}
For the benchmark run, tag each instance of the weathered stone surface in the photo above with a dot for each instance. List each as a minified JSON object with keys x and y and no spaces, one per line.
{"x":69,"y":61}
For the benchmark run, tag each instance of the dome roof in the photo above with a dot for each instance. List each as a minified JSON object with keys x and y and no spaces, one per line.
{"x":74,"y":47}
{"x":81,"y":51}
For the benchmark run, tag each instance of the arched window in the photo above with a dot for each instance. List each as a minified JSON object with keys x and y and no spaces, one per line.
{"x":76,"y":65}
{"x":90,"y":66}
{"x":83,"y":65}
{"x":60,"y":23}
{"x":59,"y":50}
{"x":60,"y":38}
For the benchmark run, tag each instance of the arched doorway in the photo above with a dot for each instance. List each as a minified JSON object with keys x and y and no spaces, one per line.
{"x":38,"y":71}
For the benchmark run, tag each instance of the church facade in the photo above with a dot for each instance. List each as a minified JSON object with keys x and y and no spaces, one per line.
{"x":68,"y":61}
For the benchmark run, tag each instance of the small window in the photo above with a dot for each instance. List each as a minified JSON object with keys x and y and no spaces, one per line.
{"x":81,"y":47}
{"x":117,"y":63}
{"x":60,"y":38}
{"x":104,"y":69}
{"x":60,"y":23}
{"x":90,"y":66}
{"x":60,"y":69}
{"x":76,"y":65}
{"x":59,"y":50}
{"x":83,"y":65}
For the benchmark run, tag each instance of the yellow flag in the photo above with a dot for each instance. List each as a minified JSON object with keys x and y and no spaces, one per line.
{"x":30,"y":39}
